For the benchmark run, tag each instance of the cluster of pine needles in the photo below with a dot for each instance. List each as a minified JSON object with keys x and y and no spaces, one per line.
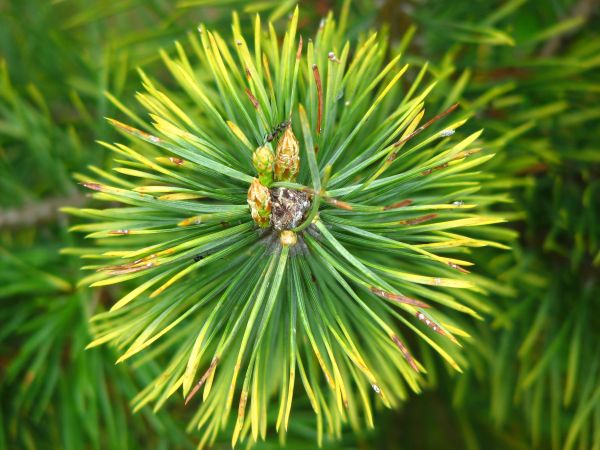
{"x":299,"y":225}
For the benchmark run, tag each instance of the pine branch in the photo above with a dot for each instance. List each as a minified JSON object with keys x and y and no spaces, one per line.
{"x":287,"y":213}
{"x":44,"y":211}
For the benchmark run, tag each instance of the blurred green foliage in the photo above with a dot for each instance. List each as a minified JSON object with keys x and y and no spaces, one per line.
{"x":529,"y":73}
{"x":536,"y":95}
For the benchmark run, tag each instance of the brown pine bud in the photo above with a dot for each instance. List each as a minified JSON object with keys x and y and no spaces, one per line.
{"x":264,"y":161}
{"x":287,"y":157}
{"x":259,"y":200}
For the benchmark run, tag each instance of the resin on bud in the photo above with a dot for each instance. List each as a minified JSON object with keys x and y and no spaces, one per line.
{"x":259,"y":200}
{"x":287,"y":157}
{"x":264,"y":161}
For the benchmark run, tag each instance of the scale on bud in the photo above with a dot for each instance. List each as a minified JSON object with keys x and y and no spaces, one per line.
{"x":287,"y":157}
{"x":259,"y":200}
{"x":264,"y":161}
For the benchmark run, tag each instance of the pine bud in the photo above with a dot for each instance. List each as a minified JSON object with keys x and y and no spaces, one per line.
{"x":263,"y":160}
{"x":259,"y":200}
{"x":288,"y":238}
{"x":287,"y":158}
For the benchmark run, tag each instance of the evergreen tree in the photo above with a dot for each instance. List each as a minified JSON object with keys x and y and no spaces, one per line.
{"x":332,"y":140}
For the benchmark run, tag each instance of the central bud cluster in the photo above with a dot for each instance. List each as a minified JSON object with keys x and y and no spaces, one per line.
{"x":288,"y":208}
{"x":280,"y":208}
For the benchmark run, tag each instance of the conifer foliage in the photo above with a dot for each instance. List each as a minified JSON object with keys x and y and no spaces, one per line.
{"x":290,"y":222}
